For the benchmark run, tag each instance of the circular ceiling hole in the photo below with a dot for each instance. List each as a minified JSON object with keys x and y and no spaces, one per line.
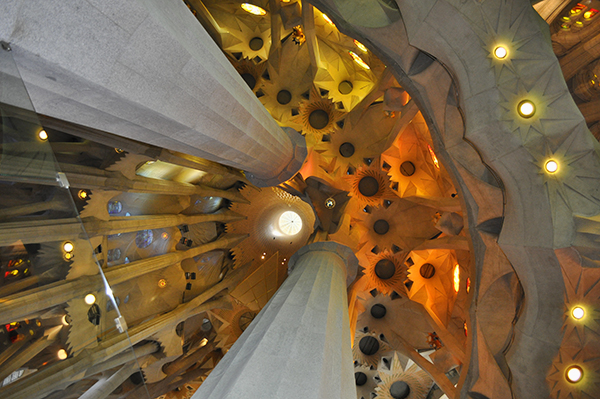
{"x":378,"y":311}
{"x":345,"y":87}
{"x":385,"y":269}
{"x":368,"y":186}
{"x":400,"y":390}
{"x":137,"y":378}
{"x":256,"y":43}
{"x":347,"y":150}
{"x":360,"y":378}
{"x":318,"y":119}
{"x":368,"y":345}
{"x":407,"y":168}
{"x":381,"y":227}
{"x":427,"y":270}
{"x":284,"y":97}
{"x":245,"y":320}
{"x":249,"y":79}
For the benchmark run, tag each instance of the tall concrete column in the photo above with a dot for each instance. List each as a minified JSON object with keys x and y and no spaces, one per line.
{"x":146,"y":70}
{"x":298,"y":347}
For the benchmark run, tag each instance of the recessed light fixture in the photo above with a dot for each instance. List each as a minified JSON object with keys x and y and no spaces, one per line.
{"x":500,"y":52}
{"x":551,"y":166}
{"x":62,"y":354}
{"x":526,"y":109}
{"x":574,"y":374}
{"x":578,"y":313}
{"x":90,"y":299}
{"x":43,"y":135}
{"x":68,"y":246}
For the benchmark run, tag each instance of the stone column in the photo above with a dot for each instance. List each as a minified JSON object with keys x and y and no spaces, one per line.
{"x":298,"y":347}
{"x":146,"y":70}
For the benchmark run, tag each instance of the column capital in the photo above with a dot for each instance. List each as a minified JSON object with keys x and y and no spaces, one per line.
{"x":345,"y":253}
{"x":299,"y":153}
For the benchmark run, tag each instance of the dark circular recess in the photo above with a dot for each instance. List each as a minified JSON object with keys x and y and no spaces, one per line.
{"x":347,"y":150}
{"x":407,"y":168}
{"x":360,"y":378}
{"x":137,"y":378}
{"x":345,"y":87}
{"x":249,"y":79}
{"x":368,"y":186}
{"x":284,"y":97}
{"x":318,"y":119}
{"x":368,"y":345}
{"x":381,"y":227}
{"x":246,"y":319}
{"x":427,"y":270}
{"x":256,"y":43}
{"x":378,"y":311}
{"x":400,"y":390}
{"x":385,"y":269}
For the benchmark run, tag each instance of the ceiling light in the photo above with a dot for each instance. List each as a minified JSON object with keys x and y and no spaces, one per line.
{"x":68,"y":246}
{"x":456,"y":278}
{"x":82,"y":194}
{"x":526,"y":109}
{"x":433,"y":157}
{"x":43,"y":135}
{"x":500,"y":52}
{"x":290,"y":223}
{"x":358,"y":60}
{"x":551,"y":166}
{"x":253,"y":9}
{"x":64,"y":321}
{"x":360,"y":46}
{"x":62,"y":354}
{"x":574,"y":374}
{"x":578,"y":312}
{"x":328,"y":20}
{"x":162,"y":283}
{"x":90,"y":299}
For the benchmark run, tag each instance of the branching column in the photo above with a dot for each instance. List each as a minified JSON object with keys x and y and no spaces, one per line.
{"x":299,"y":344}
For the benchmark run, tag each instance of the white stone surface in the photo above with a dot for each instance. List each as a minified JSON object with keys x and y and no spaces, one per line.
{"x":298,"y":347}
{"x":147,"y":70}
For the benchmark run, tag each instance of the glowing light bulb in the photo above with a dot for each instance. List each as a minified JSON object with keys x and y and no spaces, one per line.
{"x":62,"y":354}
{"x":526,"y":109}
{"x":574,"y":374}
{"x":252,"y":9}
{"x":82,"y":194}
{"x":500,"y":52}
{"x":90,"y":299}
{"x":578,"y":313}
{"x":162,"y":283}
{"x":43,"y":135}
{"x":551,"y":166}
{"x":68,"y":247}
